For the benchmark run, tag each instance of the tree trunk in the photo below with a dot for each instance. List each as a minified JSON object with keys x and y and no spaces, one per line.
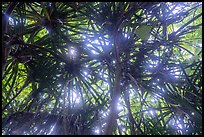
{"x":111,"y":120}
{"x":113,"y":107}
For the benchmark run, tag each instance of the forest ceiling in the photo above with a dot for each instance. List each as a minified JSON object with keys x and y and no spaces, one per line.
{"x":102,"y":68}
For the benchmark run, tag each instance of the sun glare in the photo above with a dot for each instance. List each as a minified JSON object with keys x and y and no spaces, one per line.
{"x":152,"y":100}
{"x":76,"y":98}
{"x":200,"y":45}
{"x":52,"y":128}
{"x":72,"y":51}
{"x":180,"y":126}
{"x":96,"y":42}
{"x":151,"y":112}
{"x":119,"y":107}
{"x":11,"y":21}
{"x":97,"y":131}
{"x":94,"y":52}
{"x":47,"y":31}
{"x":85,"y":73}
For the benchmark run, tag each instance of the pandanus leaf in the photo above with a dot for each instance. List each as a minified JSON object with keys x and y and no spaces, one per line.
{"x":143,"y":32}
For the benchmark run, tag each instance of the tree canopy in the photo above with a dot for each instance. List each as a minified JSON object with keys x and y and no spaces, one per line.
{"x":83,"y":68}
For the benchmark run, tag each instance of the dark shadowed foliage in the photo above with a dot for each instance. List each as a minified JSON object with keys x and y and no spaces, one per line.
{"x":121,"y":68}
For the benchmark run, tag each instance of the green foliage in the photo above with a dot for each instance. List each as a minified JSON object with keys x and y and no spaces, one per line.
{"x":143,"y":32}
{"x":62,"y":65}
